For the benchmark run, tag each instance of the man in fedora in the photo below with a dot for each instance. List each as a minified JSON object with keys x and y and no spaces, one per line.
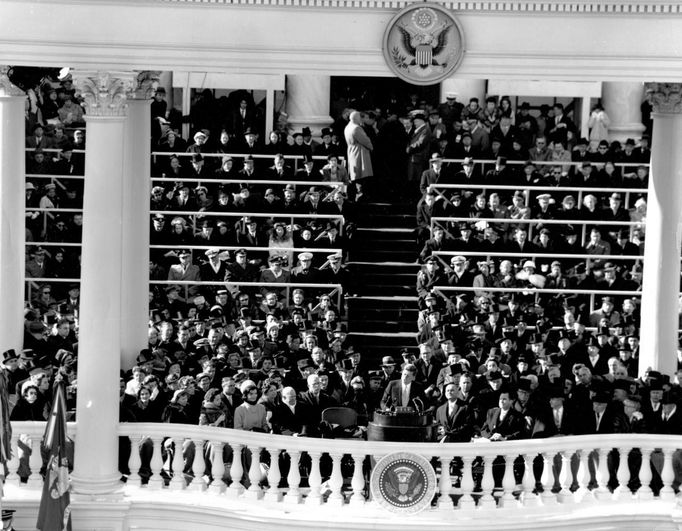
{"x":433,"y":174}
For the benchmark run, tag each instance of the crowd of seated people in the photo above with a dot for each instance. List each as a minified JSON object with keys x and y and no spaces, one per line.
{"x":479,"y":351}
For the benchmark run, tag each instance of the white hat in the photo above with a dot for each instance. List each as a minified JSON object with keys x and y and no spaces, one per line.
{"x":450,"y":95}
{"x":529,"y":263}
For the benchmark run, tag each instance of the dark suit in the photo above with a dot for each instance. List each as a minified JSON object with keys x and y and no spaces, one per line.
{"x":394,"y":391}
{"x":546,"y":427}
{"x":459,"y":427}
{"x":512,"y":427}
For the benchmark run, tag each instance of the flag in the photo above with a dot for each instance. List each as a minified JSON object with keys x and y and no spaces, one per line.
{"x":55,"y":513}
{"x":5,"y":426}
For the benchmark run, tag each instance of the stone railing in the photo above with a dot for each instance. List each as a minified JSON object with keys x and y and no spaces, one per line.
{"x":558,"y":475}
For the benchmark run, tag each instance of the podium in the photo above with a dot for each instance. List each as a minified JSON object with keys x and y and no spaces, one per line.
{"x":401,"y":425}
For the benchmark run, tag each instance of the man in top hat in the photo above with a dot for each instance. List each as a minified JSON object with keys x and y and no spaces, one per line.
{"x":327,"y":148}
{"x":418,"y":146}
{"x":307,"y":172}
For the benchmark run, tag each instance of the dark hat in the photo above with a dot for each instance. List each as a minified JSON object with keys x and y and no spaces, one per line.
{"x":7,"y":515}
{"x":388,"y":361}
{"x":307,"y":159}
{"x":375,"y":375}
{"x":184,"y":252}
{"x":455,"y":368}
{"x":9,"y":355}
{"x":306,"y":131}
{"x":524,"y":105}
{"x":501,"y":160}
{"x":417,"y":114}
{"x":345,"y":365}
{"x":555,"y":391}
{"x":582,"y":142}
{"x":602,"y":397}
{"x":592,"y":342}
{"x":603,"y":331}
{"x":466,"y":134}
{"x":524,"y":384}
{"x":535,"y":338}
{"x":621,"y":384}
{"x":604,"y":143}
{"x":630,"y":142}
{"x":670,"y":397}
{"x":250,"y":131}
{"x":326,"y":131}
{"x":493,"y":375}
{"x":197,"y":157}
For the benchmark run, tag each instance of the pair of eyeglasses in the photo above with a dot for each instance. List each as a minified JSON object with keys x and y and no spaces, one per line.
{"x":46,"y":292}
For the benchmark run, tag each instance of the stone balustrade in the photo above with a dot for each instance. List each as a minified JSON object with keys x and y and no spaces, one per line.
{"x":282,"y":470}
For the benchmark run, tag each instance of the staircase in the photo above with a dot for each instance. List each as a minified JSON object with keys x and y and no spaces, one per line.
{"x":382,"y":310}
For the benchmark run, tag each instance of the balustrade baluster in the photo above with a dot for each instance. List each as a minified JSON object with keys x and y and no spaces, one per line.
{"x":294,"y":478}
{"x":13,"y":464}
{"x":156,"y":480}
{"x":467,"y":484}
{"x":199,"y":465}
{"x":178,"y":480}
{"x":487,"y":500}
{"x":667,"y":474}
{"x":236,"y":471}
{"x":623,"y":474}
{"x":508,"y":482}
{"x":134,"y":463}
{"x":274,"y":476}
{"x":217,"y":486}
{"x":583,"y":494}
{"x":565,"y":478}
{"x":547,"y":479}
{"x":336,"y":481}
{"x":602,"y":473}
{"x":528,"y":497}
{"x":445,"y":485}
{"x":254,"y":491}
{"x":314,"y":480}
{"x":35,"y":480}
{"x":358,"y":481}
{"x":644,"y":492}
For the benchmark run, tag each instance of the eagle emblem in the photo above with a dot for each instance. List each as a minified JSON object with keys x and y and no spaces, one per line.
{"x":403,"y":482}
{"x":423,"y":45}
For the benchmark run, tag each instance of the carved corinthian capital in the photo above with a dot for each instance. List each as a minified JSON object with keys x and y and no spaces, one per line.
{"x":146,"y":83}
{"x":7,"y":88}
{"x":667,"y":97}
{"x":105,"y":93}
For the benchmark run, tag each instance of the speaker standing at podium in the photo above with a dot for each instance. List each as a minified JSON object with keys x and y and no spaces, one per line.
{"x":402,"y":393}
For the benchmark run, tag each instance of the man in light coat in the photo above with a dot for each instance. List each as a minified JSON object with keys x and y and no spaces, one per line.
{"x":359,"y":149}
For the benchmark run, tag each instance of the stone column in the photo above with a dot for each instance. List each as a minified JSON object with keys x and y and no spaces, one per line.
{"x":12,"y":224}
{"x":621,"y":102}
{"x":308,"y":100}
{"x":102,"y":277}
{"x":661,"y":278}
{"x":135,"y":221}
{"x":465,"y":89}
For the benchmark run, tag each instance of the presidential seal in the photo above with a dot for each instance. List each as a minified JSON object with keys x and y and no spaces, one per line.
{"x":423,"y":44}
{"x":403,"y":483}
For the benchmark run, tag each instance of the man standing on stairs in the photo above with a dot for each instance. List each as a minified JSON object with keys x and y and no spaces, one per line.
{"x":427,"y":278}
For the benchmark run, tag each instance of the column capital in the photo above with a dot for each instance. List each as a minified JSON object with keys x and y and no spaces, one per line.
{"x":145,"y":84}
{"x":104,"y":93}
{"x":667,"y":97}
{"x":7,"y":88}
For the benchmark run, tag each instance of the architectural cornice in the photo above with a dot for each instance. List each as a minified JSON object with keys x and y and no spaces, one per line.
{"x":597,"y":7}
{"x":624,"y":7}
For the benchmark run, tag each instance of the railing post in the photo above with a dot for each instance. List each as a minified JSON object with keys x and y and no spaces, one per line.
{"x":199,"y":465}
{"x":178,"y":464}
{"x":254,"y":491}
{"x":583,"y":494}
{"x":13,"y":464}
{"x":508,"y":481}
{"x":487,"y":500}
{"x":565,"y":479}
{"x":644,"y":492}
{"x":623,"y":475}
{"x":445,"y":485}
{"x":217,"y":486}
{"x":134,"y":463}
{"x":156,"y":480}
{"x":314,"y":480}
{"x":528,"y":497}
{"x":236,"y":472}
{"x":274,"y":476}
{"x":467,"y":484}
{"x":294,"y":479}
{"x":602,"y":473}
{"x":336,"y":480}
{"x":358,"y":481}
{"x":35,"y":480}
{"x":667,"y":474}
